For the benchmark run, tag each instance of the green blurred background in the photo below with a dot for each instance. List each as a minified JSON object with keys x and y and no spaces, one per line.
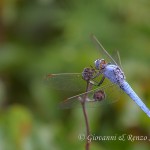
{"x":52,"y":36}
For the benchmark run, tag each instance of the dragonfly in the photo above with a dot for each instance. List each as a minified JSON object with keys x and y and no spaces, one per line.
{"x":106,"y":77}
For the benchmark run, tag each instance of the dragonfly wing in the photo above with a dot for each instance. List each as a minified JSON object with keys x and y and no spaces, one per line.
{"x":70,"y":103}
{"x":112,"y":94}
{"x":66,"y":81}
{"x":111,"y":91}
{"x":118,"y":59}
{"x":103,"y":52}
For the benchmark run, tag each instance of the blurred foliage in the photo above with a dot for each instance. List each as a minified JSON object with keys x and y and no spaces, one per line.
{"x":52,"y":36}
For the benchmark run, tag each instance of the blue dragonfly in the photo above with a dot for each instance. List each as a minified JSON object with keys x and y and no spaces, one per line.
{"x":112,"y":82}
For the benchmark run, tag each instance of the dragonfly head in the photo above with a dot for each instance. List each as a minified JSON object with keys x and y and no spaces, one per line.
{"x":100,"y":64}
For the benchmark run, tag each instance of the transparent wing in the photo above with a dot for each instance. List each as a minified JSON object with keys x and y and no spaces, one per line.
{"x":104,"y":54}
{"x":66,"y":81}
{"x":112,"y":94}
{"x":118,"y":59}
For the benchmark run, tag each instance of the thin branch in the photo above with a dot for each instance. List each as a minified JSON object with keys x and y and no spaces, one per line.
{"x":87,"y":146}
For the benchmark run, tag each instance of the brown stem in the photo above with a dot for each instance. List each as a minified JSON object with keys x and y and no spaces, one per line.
{"x":87,"y":146}
{"x":87,"y":126}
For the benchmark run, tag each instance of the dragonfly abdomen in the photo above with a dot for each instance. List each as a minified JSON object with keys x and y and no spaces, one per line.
{"x":129,"y":91}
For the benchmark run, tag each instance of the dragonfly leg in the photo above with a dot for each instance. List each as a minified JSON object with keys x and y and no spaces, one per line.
{"x":101,"y":81}
{"x":97,"y":83}
{"x":97,"y":74}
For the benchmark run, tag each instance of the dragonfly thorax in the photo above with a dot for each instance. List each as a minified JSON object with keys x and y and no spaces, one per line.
{"x":100,"y":64}
{"x":114,"y":74}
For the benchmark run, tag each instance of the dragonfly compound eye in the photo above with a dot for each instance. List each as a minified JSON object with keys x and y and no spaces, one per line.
{"x":100,"y":64}
{"x":97,"y":64}
{"x":99,"y":95}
